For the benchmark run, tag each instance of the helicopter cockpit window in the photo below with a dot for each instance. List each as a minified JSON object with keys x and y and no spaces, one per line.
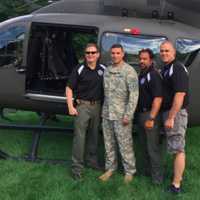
{"x":132,"y":44}
{"x":11,"y":46}
{"x":187,"y":49}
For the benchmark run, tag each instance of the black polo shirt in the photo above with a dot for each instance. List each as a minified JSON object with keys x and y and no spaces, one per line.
{"x":87,"y":84}
{"x":175,"y":79}
{"x":150,"y":86}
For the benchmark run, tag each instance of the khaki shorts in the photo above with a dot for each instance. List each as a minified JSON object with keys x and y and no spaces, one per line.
{"x":176,"y":136}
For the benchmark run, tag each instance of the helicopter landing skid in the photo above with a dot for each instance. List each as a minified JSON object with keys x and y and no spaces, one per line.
{"x":36,"y":135}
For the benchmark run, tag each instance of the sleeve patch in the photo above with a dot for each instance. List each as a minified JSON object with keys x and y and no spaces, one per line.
{"x":103,"y":66}
{"x":80,"y":69}
{"x":171,"y":70}
{"x":185,"y":69}
{"x":148,"y":77}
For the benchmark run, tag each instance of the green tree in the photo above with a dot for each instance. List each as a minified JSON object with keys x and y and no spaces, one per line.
{"x":13,"y":8}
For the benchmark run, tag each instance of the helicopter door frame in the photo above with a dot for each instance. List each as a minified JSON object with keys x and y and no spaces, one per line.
{"x":44,"y":97}
{"x":47,"y":86}
{"x":13,"y":38}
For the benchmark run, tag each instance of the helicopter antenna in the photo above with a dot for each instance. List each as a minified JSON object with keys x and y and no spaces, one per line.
{"x":162,"y":8}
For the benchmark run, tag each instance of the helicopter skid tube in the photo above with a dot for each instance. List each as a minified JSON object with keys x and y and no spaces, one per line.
{"x":37,"y":131}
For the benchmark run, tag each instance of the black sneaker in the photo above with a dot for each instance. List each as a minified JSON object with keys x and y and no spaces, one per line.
{"x":76,"y":176}
{"x":174,"y":189}
{"x":95,"y":165}
{"x":157,"y":181}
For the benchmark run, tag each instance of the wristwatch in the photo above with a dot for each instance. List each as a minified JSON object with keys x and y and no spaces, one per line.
{"x":151,"y":118}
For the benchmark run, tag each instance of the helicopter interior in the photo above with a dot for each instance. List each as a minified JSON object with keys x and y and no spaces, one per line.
{"x":53,"y":51}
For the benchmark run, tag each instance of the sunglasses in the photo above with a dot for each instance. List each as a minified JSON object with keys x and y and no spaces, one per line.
{"x":90,"y":52}
{"x":164,"y":50}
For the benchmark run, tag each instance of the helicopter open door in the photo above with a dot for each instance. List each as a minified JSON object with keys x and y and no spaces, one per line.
{"x":53,"y":52}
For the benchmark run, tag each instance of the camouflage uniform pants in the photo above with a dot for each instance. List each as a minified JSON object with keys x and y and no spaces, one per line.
{"x":86,"y":129}
{"x":176,"y":136}
{"x":117,"y":135}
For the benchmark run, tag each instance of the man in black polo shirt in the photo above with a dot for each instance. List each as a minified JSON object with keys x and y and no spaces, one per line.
{"x":175,"y":102}
{"x":86,"y":82}
{"x":150,"y":99}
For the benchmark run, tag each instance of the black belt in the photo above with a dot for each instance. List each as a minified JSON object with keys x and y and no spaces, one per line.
{"x":88,"y":102}
{"x":144,"y":110}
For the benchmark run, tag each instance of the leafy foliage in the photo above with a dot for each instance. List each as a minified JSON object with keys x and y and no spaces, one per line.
{"x":80,"y":42}
{"x":13,"y":8}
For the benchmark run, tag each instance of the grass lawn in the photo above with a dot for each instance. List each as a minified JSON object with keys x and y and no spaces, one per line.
{"x":20,"y":180}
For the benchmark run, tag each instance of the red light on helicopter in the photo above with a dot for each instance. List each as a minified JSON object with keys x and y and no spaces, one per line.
{"x":135,"y":31}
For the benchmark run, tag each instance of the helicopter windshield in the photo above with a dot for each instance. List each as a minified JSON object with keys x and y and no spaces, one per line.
{"x":11,"y":45}
{"x":187,"y":49}
{"x":132,"y":44}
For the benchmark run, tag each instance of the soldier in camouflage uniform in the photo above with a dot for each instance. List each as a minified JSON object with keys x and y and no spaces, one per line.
{"x":121,"y":95}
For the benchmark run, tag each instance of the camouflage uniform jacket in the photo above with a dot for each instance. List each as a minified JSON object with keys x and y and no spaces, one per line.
{"x":120,"y":91}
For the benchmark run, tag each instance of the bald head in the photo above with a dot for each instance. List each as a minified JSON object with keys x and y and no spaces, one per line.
{"x":167,"y":52}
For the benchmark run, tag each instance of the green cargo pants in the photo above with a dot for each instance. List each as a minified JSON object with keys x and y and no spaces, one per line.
{"x":151,"y":149}
{"x":86,"y":130}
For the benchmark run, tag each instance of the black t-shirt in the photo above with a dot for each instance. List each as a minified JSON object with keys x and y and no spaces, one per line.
{"x":175,"y":79}
{"x":87,"y":84}
{"x":150,"y":86}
